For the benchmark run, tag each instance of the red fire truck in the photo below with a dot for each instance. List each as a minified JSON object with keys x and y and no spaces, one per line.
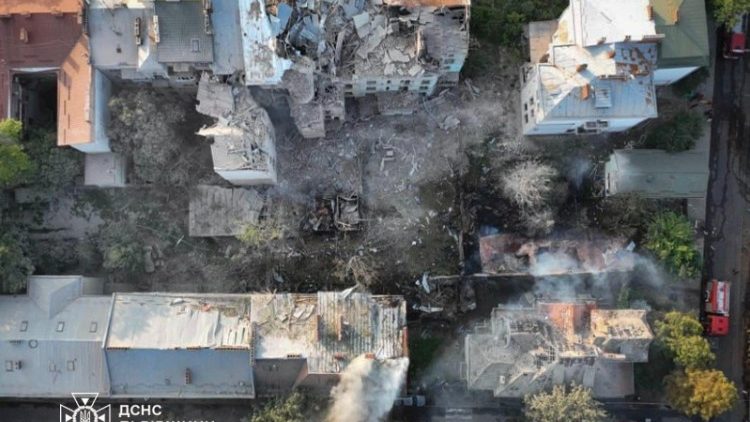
{"x":735,"y":43}
{"x":717,"y":308}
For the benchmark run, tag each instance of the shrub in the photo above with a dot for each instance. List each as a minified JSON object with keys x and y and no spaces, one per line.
{"x":120,"y":247}
{"x":10,"y":131}
{"x":670,"y":238}
{"x":15,"y":265}
{"x":15,"y":165}
{"x":677,"y":134}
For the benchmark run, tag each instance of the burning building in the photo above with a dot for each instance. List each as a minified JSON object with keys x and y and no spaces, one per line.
{"x":523,"y":350}
{"x":508,"y":254}
{"x":65,"y":336}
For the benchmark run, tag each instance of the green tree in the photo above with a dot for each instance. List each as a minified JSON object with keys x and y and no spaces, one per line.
{"x":727,"y":11}
{"x":290,"y":409}
{"x":10,"y":131}
{"x":670,"y":238}
{"x":563,"y":405}
{"x":705,"y":393}
{"x":693,"y":352}
{"x":121,"y":249}
{"x":15,"y":265}
{"x":15,"y":165}
{"x":681,"y":334}
{"x":54,"y":167}
{"x":677,"y":134}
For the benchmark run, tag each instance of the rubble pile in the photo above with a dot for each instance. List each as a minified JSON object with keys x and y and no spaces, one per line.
{"x":244,"y":137}
{"x":328,"y":49}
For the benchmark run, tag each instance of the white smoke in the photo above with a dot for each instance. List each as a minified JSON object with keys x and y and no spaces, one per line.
{"x":367,"y":389}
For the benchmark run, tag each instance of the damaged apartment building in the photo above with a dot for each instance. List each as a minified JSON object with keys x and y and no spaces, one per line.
{"x":524,"y":350}
{"x":596,"y":68}
{"x":64,"y":336}
{"x":322,"y":51}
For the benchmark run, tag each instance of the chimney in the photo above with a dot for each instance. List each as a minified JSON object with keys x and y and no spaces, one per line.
{"x":676,"y":15}
{"x":585,"y":92}
{"x":581,"y":67}
{"x":650,"y":12}
{"x":602,"y":40}
{"x":612,"y":54}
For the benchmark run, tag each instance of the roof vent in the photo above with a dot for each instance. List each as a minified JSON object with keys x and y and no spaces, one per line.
{"x":585,"y":92}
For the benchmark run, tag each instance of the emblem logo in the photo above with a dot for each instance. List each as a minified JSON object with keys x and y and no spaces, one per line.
{"x":85,"y":410}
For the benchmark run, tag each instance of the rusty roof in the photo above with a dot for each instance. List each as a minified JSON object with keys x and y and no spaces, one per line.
{"x":74,"y":96}
{"x":25,"y":7}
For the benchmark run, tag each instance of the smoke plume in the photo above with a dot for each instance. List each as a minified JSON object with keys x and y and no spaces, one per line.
{"x":367,"y":389}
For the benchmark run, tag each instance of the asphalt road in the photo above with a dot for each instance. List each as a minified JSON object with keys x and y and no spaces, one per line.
{"x":728,"y":209}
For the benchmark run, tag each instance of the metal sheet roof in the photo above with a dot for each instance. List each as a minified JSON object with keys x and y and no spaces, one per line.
{"x":227,"y":37}
{"x":179,"y":321}
{"x":183,"y":33}
{"x":685,"y":29}
{"x":205,"y":373}
{"x":56,"y":335}
{"x":658,"y":174}
{"x":113,"y":37}
{"x":591,"y":22}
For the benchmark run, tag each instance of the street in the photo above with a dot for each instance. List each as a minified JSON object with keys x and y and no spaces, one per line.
{"x":728,"y":209}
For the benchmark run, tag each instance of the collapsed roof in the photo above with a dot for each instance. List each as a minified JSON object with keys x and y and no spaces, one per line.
{"x":523,"y":350}
{"x":509,"y":254}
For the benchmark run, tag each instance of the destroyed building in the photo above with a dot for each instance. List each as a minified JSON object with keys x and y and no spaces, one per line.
{"x":323,"y":51}
{"x":524,"y":350}
{"x":509,"y":254}
{"x":244,"y":139}
{"x":64,"y":336}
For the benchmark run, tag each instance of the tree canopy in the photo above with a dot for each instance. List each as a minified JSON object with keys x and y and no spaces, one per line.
{"x":10,"y":131}
{"x":670,"y":238}
{"x":681,"y":334}
{"x":727,"y":11}
{"x":563,"y":405}
{"x":705,"y":393}
{"x":676,"y":134}
{"x":290,"y":409}
{"x":15,"y":266}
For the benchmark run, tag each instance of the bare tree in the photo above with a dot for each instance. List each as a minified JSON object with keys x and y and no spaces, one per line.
{"x":529,"y":184}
